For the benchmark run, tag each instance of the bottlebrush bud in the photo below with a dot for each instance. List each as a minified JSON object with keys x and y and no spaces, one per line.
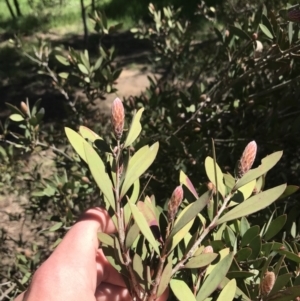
{"x":174,"y":202}
{"x":267,"y":283}
{"x":24,"y":108}
{"x":293,"y":14}
{"x":117,"y":118}
{"x":247,"y":158}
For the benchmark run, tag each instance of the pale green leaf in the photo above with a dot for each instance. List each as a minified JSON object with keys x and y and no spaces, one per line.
{"x":16,"y":117}
{"x":228,"y":292}
{"x":254,"y":204}
{"x":181,"y":290}
{"x":266,"y":164}
{"x":99,"y":173}
{"x":210,"y":171}
{"x":213,"y":280}
{"x":143,"y":225}
{"x":135,"y":128}
{"x":88,"y":134}
{"x":165,"y":279}
{"x":83,"y":69}
{"x":138,"y":164}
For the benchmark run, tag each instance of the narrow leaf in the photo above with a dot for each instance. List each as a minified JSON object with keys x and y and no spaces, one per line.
{"x":201,"y":260}
{"x":135,"y":128}
{"x":228,"y":292}
{"x":266,"y":31}
{"x":181,"y":290}
{"x":86,"y":133}
{"x":275,"y":226}
{"x":254,"y":204}
{"x":99,"y":173}
{"x":165,"y":279}
{"x":210,"y":171}
{"x":138,"y":164}
{"x":266,"y":164}
{"x":183,"y":179}
{"x":143,"y":225}
{"x":215,"y":277}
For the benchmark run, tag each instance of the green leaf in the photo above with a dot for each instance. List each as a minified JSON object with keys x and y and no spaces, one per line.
{"x":86,"y":133}
{"x":290,"y":189}
{"x":100,"y":175}
{"x":201,"y":260}
{"x":176,"y":238}
{"x":181,"y":290}
{"x":138,"y":266}
{"x":239,"y":274}
{"x":239,"y":32}
{"x":143,"y":225}
{"x":249,"y":235}
{"x":244,"y":226}
{"x":63,"y":75}
{"x":254,"y":204}
{"x":266,"y":31}
{"x":14,"y":109}
{"x":190,"y":212}
{"x":213,"y":280}
{"x":106,"y":239}
{"x":56,"y":227}
{"x":135,"y":128}
{"x":16,"y":117}
{"x":85,"y":59}
{"x":77,"y":143}
{"x":138,"y":164}
{"x":243,"y":254}
{"x":83,"y":69}
{"x":239,"y":294}
{"x":292,"y":256}
{"x":210,"y":171}
{"x":62,"y":60}
{"x":275,"y":226}
{"x":287,"y":295}
{"x":280,"y":282}
{"x":165,"y":279}
{"x":266,"y":164}
{"x":255,"y":246}
{"x":132,"y":235}
{"x":228,"y":292}
{"x":290,"y":32}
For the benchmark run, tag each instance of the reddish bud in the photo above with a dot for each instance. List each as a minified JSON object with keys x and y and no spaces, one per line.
{"x":247,"y":158}
{"x":293,"y":14}
{"x":24,"y":108}
{"x":254,"y":36}
{"x":207,"y":250}
{"x":174,"y":202}
{"x":267,"y":283}
{"x":117,"y":118}
{"x":85,"y":180}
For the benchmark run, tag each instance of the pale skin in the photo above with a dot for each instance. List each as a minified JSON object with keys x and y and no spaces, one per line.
{"x":77,"y":270}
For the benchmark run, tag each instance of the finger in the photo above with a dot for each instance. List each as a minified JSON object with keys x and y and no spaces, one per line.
{"x":73,"y":263}
{"x":110,"y":292}
{"x":106,"y":272}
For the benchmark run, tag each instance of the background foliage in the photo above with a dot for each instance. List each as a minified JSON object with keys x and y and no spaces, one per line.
{"x":224,"y":70}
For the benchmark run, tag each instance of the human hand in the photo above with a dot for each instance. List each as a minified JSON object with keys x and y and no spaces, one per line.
{"x":77,"y":269}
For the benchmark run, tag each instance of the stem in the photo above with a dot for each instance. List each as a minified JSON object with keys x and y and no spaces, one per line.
{"x":206,"y":231}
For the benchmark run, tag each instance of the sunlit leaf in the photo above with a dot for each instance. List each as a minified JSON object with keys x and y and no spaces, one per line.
{"x":135,"y":128}
{"x":99,"y":173}
{"x":132,"y":235}
{"x":239,"y":294}
{"x":201,"y":260}
{"x":210,"y":171}
{"x":165,"y":279}
{"x":77,"y":143}
{"x":215,"y":277}
{"x":266,"y":31}
{"x":83,"y":69}
{"x":106,"y":239}
{"x":190,"y":212}
{"x":16,"y":117}
{"x":62,"y":60}
{"x":138,"y":164}
{"x":253,"y":204}
{"x":183,"y":179}
{"x":143,"y":225}
{"x":87,"y":133}
{"x":266,"y":164}
{"x":228,"y":292}
{"x":181,"y":290}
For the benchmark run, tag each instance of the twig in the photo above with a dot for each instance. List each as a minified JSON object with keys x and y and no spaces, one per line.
{"x":205,"y":232}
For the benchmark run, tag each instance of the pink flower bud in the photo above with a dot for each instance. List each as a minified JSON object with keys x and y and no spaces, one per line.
{"x":207,"y":250}
{"x":267,"y":283}
{"x":174,"y":202}
{"x":117,"y":118}
{"x":247,"y":158}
